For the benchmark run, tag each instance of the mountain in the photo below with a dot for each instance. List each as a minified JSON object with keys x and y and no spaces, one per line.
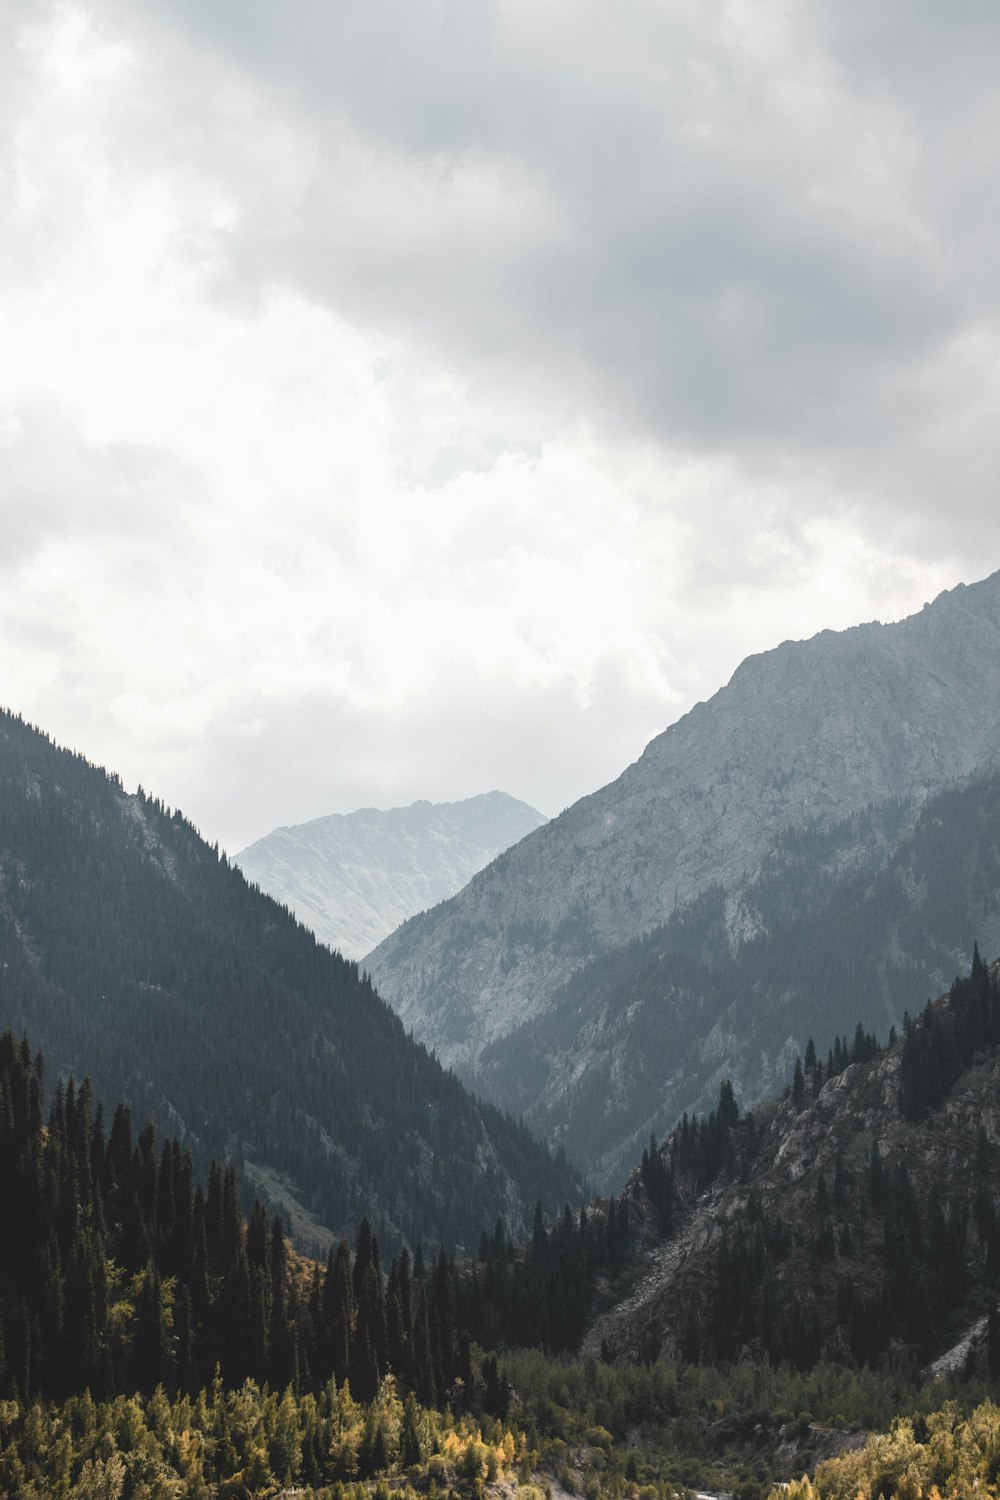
{"x":805,"y":736}
{"x":856,"y":1216}
{"x":134,"y":953}
{"x":354,"y":877}
{"x":860,"y":921}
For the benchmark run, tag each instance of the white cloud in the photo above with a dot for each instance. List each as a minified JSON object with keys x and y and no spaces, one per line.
{"x":401,"y":414}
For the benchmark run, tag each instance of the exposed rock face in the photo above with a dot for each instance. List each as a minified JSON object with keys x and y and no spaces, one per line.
{"x":811,"y":730}
{"x":861,"y":921}
{"x":354,"y":877}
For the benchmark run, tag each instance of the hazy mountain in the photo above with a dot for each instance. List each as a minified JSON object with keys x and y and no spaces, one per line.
{"x":133,"y":952}
{"x":354,"y":877}
{"x":805,"y":735}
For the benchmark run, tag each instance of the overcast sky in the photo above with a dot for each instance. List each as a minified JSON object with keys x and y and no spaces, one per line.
{"x":405,"y":398}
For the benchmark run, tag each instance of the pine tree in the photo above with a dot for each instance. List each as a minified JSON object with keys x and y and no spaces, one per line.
{"x":338,"y":1306}
{"x":410,"y":1449}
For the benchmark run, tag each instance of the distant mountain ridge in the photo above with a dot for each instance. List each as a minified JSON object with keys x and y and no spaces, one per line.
{"x":132,"y":951}
{"x":810,"y":733}
{"x":354,"y":877}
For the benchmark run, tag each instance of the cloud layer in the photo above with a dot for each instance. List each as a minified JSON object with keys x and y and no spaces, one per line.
{"x":406,"y":400}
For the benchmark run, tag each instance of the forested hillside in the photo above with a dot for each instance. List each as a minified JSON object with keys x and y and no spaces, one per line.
{"x":857,"y":1215}
{"x":154,"y":1344}
{"x":804,"y":1259}
{"x":133,"y":952}
{"x":353,"y":877}
{"x":119,"y":1271}
{"x":859,"y":921}
{"x":123,"y":1280}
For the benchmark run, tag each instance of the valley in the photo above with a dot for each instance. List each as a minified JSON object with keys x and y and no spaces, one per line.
{"x":499,"y":751}
{"x":381,"y":1386}
{"x":325,"y":1266}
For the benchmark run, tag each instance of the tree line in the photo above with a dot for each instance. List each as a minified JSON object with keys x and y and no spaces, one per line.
{"x":120,"y":1272}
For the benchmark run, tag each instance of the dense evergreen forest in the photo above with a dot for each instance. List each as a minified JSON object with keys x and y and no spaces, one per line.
{"x":118,"y":1273}
{"x":886,"y":1242}
{"x":542,"y":1295}
{"x":121,"y":1272}
{"x":134,"y":953}
{"x":871,"y":1258}
{"x":858,"y":921}
{"x":155,"y":1343}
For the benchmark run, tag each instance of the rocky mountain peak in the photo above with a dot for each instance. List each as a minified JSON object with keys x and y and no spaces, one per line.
{"x":811,"y":730}
{"x":354,"y":877}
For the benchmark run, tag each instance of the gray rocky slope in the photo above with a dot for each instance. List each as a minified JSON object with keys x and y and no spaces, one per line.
{"x":812,"y":730}
{"x":354,"y":877}
{"x":858,"y":921}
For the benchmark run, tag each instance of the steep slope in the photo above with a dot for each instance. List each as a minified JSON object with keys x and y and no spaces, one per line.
{"x":861,"y":921}
{"x":813,"y":730}
{"x":858,"y":1214}
{"x":354,"y":877}
{"x":134,"y":953}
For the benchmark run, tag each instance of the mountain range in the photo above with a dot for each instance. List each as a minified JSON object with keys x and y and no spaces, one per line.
{"x":354,"y":877}
{"x":799,"y":785}
{"x":861,"y":920}
{"x":133,"y":952}
{"x":841,"y":1236}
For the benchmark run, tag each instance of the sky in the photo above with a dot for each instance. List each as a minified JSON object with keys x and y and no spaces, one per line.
{"x":406,"y":400}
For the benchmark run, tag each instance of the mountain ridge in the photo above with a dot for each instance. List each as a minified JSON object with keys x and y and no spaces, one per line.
{"x":133,"y":952}
{"x":813,"y":729}
{"x":865,"y":919}
{"x":354,"y":877}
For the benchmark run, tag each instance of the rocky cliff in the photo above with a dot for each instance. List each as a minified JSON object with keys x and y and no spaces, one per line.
{"x":813,"y":731}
